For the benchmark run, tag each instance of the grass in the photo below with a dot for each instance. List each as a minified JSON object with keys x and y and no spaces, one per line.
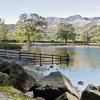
{"x":9,"y":46}
{"x":13,"y":93}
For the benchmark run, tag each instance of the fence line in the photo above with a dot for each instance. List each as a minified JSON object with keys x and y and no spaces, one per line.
{"x":36,"y":58}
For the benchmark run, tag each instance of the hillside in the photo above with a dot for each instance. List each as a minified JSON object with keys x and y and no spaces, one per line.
{"x":80,"y":23}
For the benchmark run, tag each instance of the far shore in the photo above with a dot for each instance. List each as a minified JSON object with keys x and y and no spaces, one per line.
{"x":67,"y":45}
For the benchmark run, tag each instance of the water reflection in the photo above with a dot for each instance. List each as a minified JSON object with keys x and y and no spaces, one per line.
{"x":80,"y":56}
{"x":84,"y":65}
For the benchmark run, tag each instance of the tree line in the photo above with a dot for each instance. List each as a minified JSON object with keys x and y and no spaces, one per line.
{"x":32,"y":27}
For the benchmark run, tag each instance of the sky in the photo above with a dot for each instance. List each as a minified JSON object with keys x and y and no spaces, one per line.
{"x":11,"y":9}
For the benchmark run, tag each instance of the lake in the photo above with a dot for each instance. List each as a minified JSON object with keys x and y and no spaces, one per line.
{"x":84,"y":65}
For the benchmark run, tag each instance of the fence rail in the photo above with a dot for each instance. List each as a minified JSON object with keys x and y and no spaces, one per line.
{"x":36,"y":58}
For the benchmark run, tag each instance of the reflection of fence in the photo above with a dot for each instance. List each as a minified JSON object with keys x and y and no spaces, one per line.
{"x":36,"y":58}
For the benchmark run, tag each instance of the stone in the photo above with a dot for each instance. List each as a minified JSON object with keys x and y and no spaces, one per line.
{"x":67,"y":96}
{"x":53,"y":86}
{"x":4,"y":78}
{"x":29,"y":94}
{"x":13,"y":70}
{"x":39,"y":98}
{"x":25,"y":82}
{"x":91,"y":93}
{"x":19,"y":78}
{"x":3,"y":64}
{"x":80,"y":83}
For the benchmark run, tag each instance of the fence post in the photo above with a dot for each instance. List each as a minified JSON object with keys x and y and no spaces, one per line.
{"x":40,"y":60}
{"x":5,"y":52}
{"x":52,"y":60}
{"x":60,"y":59}
{"x":67,"y":59}
{"x":19,"y":54}
{"x":34,"y":59}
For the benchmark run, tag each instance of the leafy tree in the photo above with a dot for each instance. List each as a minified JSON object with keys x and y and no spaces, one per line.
{"x":91,"y":34}
{"x":23,"y":17}
{"x":29,"y":26}
{"x":65,"y":32}
{"x":3,"y":30}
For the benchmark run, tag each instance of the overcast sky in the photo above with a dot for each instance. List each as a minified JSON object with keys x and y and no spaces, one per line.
{"x":11,"y":9}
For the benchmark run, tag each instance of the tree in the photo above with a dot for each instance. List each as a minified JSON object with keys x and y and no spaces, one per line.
{"x":3,"y":30}
{"x":91,"y":34}
{"x":28,"y":26}
{"x":65,"y":32}
{"x":23,"y":17}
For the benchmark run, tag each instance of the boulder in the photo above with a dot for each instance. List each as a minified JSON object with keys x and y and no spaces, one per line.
{"x":25,"y":82}
{"x":67,"y":96}
{"x":91,"y":93}
{"x":13,"y":70}
{"x":4,"y":78}
{"x":53,"y":86}
{"x":3,"y":64}
{"x":19,"y":78}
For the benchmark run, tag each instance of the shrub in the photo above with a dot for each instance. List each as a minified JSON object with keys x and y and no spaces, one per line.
{"x":9,"y":46}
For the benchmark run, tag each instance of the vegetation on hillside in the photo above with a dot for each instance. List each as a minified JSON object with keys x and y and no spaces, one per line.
{"x":33,"y":27}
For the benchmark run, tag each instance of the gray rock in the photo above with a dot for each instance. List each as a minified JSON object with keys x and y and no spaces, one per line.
{"x":3,"y":64}
{"x":25,"y":82}
{"x":54,"y":85}
{"x":19,"y":78}
{"x":4,"y":78}
{"x":91,"y":93}
{"x":80,"y":83}
{"x":13,"y":70}
{"x":29,"y":94}
{"x":39,"y":98}
{"x":67,"y":96}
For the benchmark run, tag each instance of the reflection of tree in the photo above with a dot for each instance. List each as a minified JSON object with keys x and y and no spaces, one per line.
{"x":64,"y":51}
{"x":60,"y":51}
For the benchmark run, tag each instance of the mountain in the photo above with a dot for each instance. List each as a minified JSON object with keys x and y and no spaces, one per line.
{"x":80,"y":23}
{"x":75,"y":20}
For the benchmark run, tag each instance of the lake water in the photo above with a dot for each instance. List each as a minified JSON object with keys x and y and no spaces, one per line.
{"x":84,"y":65}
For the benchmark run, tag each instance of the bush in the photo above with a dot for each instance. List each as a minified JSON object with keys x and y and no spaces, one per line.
{"x":9,"y":41}
{"x":9,"y":46}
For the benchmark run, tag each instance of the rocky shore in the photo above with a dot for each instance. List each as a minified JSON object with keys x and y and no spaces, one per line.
{"x":55,"y":86}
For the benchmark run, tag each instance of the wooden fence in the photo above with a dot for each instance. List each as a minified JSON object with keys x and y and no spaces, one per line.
{"x":36,"y":58}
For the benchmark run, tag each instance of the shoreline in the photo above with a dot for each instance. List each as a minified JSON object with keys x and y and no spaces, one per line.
{"x":69,"y":46}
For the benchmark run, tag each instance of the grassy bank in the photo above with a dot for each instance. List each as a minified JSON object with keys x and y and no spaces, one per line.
{"x":10,"y":46}
{"x":11,"y":93}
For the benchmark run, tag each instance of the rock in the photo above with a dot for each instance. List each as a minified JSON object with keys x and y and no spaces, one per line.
{"x":51,"y":66}
{"x":13,"y":70}
{"x":80,"y":83}
{"x":25,"y":82}
{"x":4,"y":78}
{"x":67,"y":96}
{"x":29,"y":94}
{"x":91,"y":93}
{"x":19,"y":78}
{"x":39,"y":98}
{"x":53,"y":86}
{"x":3,"y":64}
